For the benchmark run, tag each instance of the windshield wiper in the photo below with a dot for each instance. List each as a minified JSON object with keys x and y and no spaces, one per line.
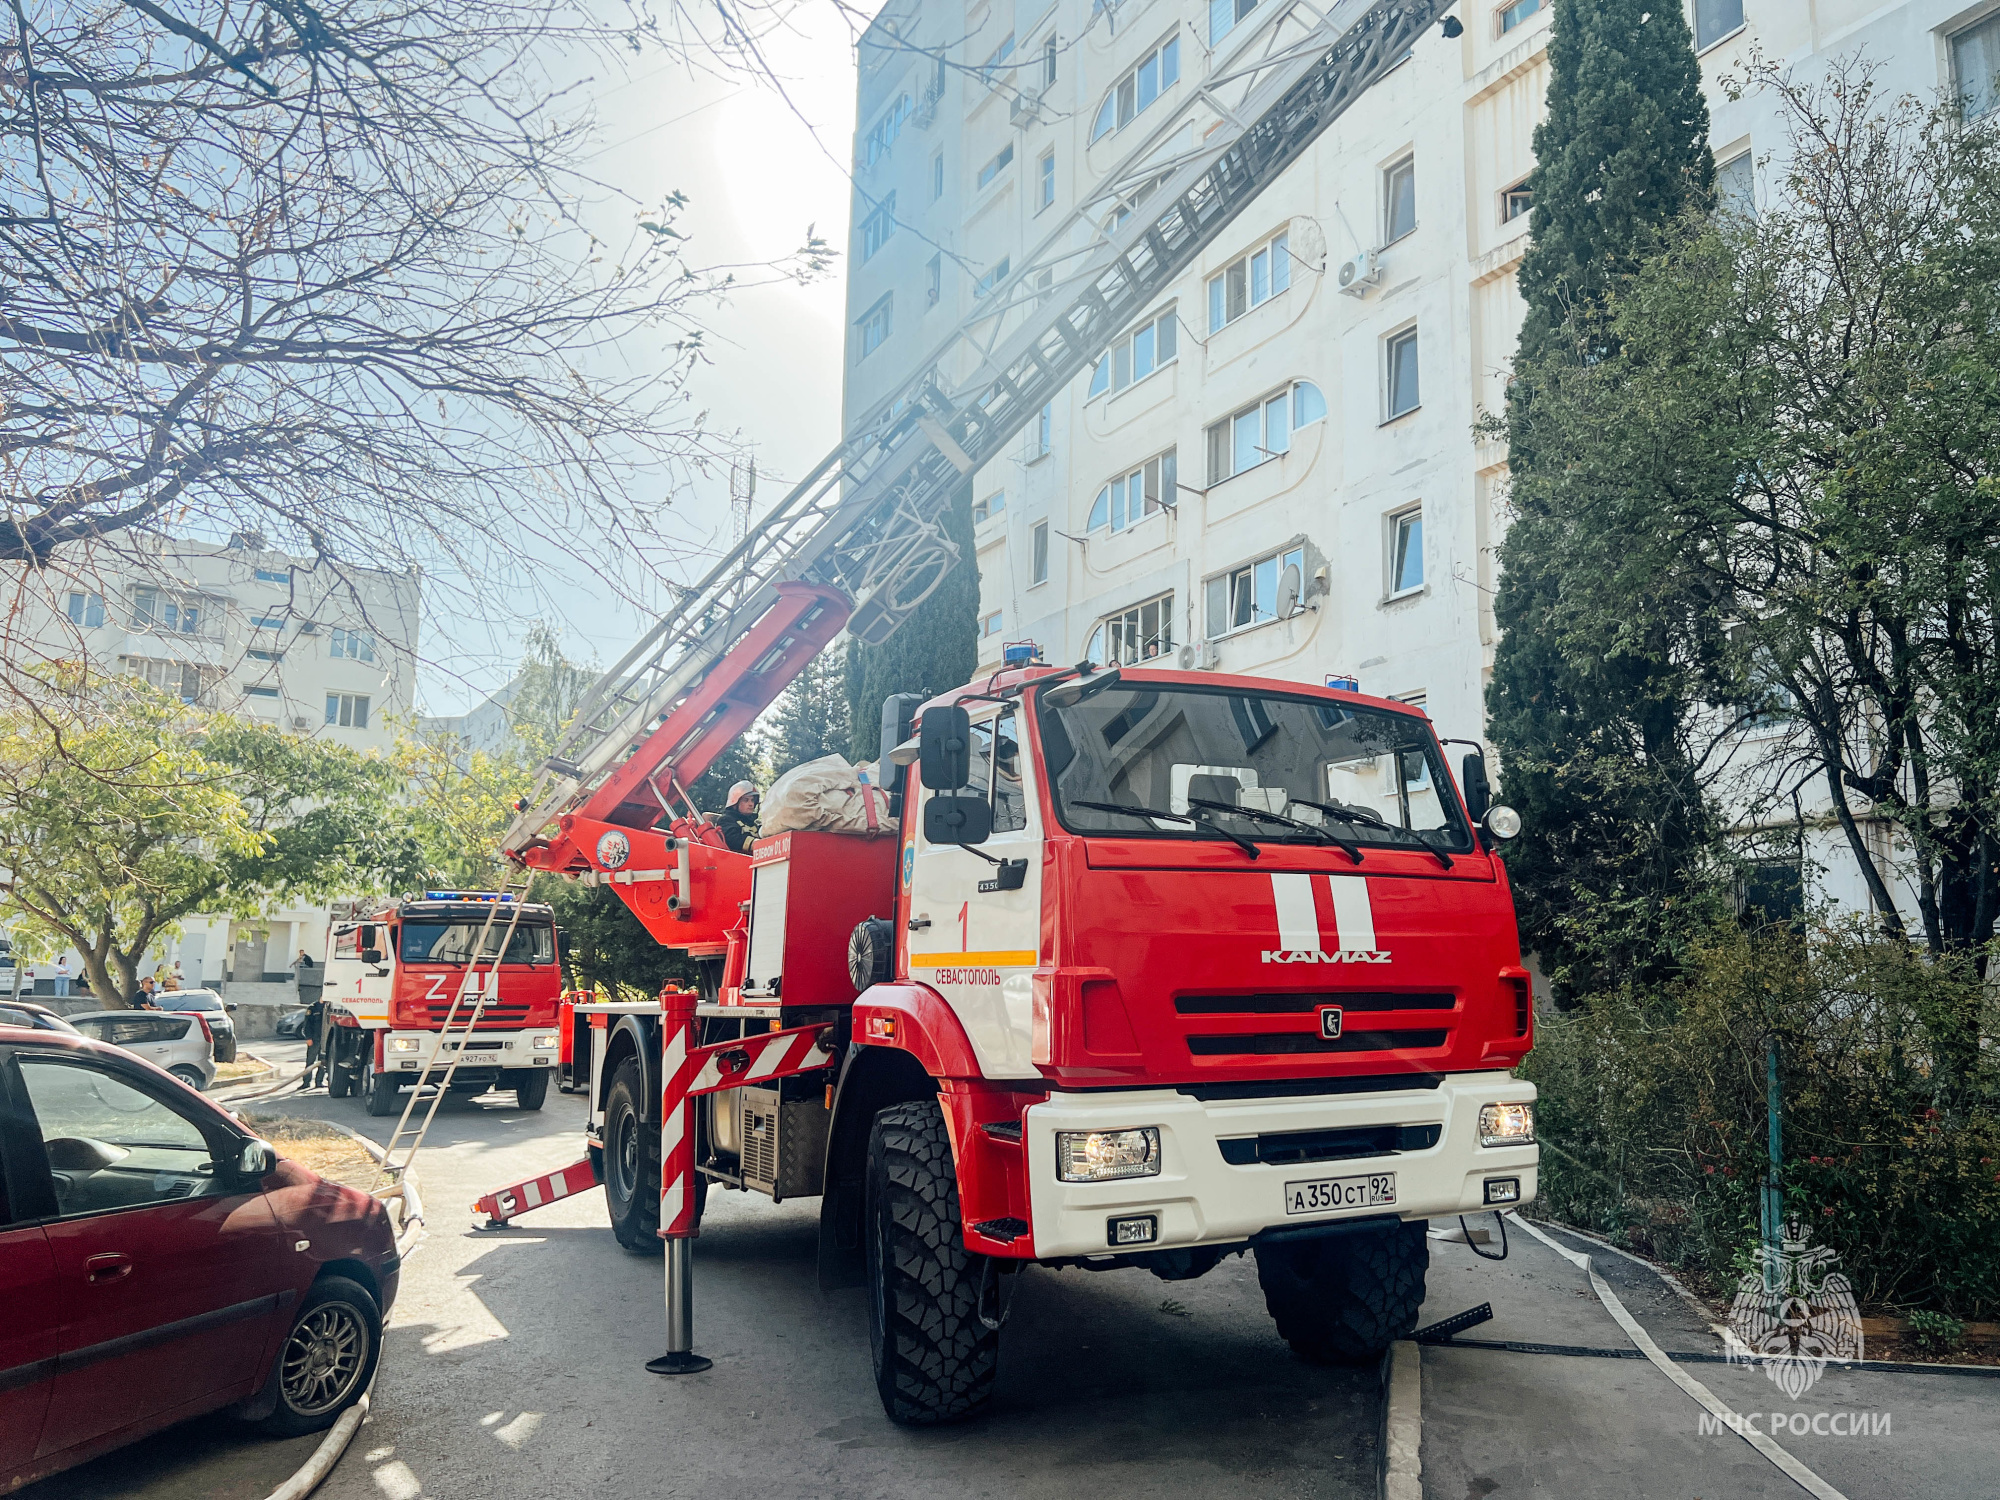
{"x":1326,"y":836}
{"x":1132,"y":811}
{"x":1368,"y":819}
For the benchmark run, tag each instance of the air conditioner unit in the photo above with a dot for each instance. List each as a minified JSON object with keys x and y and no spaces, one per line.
{"x":1025,"y":110}
{"x":1359,"y":273}
{"x":1200,"y":656}
{"x":301,"y":722}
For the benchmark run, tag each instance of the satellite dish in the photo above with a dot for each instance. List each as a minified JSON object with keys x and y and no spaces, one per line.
{"x":1289,"y":583}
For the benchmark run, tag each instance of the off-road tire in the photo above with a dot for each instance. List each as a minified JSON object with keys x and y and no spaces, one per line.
{"x":631,"y":1162}
{"x":339,"y":1082}
{"x":302,"y":1404}
{"x":1342,"y":1299}
{"x":934,"y":1360}
{"x":531,"y":1087}
{"x":378,"y":1091}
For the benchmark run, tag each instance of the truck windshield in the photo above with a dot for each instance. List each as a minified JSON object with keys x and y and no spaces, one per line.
{"x":451,"y":943}
{"x":1360,"y":775}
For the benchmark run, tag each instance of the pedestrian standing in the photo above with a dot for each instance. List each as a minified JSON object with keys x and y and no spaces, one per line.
{"x":62,"y":977}
{"x":144,"y":999}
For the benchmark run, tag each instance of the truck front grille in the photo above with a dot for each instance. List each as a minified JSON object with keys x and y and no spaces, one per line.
{"x":1283,"y":1043}
{"x":511,"y":1014}
{"x":1293,"y":1147}
{"x":1305,"y":1002}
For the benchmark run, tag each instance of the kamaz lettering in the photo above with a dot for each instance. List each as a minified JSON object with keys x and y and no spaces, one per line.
{"x":1319,"y":956}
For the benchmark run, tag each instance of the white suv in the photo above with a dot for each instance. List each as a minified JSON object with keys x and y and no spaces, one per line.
{"x":179,"y":1043}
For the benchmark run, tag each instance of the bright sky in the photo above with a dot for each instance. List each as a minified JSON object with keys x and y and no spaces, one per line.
{"x":758,"y":170}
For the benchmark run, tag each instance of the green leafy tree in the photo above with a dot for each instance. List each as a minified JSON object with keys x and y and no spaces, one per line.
{"x":124,"y":812}
{"x":936,"y":649}
{"x":1594,"y":714}
{"x":810,"y":719}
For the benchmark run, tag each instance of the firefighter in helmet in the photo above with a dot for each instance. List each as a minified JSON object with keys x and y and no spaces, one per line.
{"x":738,"y":821}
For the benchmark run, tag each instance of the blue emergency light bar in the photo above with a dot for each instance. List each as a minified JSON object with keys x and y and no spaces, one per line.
{"x":467,"y":896}
{"x":1019,"y":653}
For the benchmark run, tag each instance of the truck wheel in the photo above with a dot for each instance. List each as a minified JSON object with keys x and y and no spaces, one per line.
{"x":631,"y":1163}
{"x":531,"y":1087}
{"x":1342,"y":1299}
{"x":378,"y":1090}
{"x":339,"y":1082}
{"x":934,"y":1360}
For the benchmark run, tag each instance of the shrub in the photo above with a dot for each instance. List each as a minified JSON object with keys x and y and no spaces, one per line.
{"x":1653,"y":1113}
{"x":1936,"y":1332}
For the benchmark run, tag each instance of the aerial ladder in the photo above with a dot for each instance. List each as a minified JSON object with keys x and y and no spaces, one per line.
{"x":859,"y":542}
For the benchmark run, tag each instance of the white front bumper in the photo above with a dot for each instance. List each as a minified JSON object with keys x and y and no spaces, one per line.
{"x":516,"y":1049}
{"x":1200,"y":1199}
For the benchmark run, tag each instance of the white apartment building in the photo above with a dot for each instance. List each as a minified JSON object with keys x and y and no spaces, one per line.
{"x":1261,"y":419}
{"x":310,"y":649}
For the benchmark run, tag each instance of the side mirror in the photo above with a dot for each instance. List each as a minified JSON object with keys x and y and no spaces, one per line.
{"x":258,"y":1159}
{"x":958,"y":820}
{"x":229,"y":1007}
{"x":899,"y":712}
{"x":371,"y":955}
{"x":945,"y":753}
{"x":1069,"y":694}
{"x":1478,"y":790}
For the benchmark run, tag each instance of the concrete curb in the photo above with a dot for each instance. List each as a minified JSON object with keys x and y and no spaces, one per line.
{"x":1400,"y":1471}
{"x":313,"y":1472}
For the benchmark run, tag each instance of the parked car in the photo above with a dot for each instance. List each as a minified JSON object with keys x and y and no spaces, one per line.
{"x":212,"y":1010}
{"x":180,"y":1044}
{"x":292,"y":1024}
{"x":162,"y":1263}
{"x":38,"y":1017}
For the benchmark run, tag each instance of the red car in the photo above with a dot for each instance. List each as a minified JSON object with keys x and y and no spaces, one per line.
{"x":158,"y":1262}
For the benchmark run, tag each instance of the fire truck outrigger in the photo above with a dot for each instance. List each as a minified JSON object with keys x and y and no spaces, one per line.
{"x":1154,"y":967}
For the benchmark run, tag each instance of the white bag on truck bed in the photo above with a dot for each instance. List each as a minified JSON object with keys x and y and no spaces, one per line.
{"x":826,"y":796}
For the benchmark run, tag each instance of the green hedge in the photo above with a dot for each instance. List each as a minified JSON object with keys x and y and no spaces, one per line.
{"x":1652,"y":1114}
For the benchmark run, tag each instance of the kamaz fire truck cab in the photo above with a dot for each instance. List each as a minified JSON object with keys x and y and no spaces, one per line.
{"x":392,"y":974}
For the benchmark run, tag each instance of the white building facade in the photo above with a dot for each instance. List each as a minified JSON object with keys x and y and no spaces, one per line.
{"x":240,"y":627}
{"x":1297,"y":419}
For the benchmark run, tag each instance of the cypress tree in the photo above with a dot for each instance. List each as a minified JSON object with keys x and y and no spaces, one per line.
{"x":936,"y":649}
{"x":1612,"y":871}
{"x":810,"y":718}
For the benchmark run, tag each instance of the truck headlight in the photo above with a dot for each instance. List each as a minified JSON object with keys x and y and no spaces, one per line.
{"x":1507,"y":1125}
{"x":543,"y":1041}
{"x":404,"y":1043}
{"x":1106,"y":1155}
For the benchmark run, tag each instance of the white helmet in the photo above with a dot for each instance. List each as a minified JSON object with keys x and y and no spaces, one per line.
{"x":741,"y":790}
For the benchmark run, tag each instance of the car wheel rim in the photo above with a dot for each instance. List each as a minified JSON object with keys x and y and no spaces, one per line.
{"x":324,"y":1358}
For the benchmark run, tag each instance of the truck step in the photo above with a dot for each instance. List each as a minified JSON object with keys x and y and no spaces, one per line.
{"x":503,"y":1205}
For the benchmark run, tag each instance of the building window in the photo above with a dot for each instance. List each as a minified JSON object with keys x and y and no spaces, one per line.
{"x":1399,"y":200}
{"x":1156,"y":342}
{"x":1714,"y":20}
{"x":1135,"y":496}
{"x":274,"y":575}
{"x":1513,"y":15}
{"x":1223,"y":16}
{"x":260,"y":692}
{"x":1045,"y":422}
{"x":934,"y":280}
{"x":997,"y":165}
{"x":1400,"y":391}
{"x":1038,"y":567}
{"x":180,"y":679}
{"x":1156,"y":72}
{"x":173,"y":614}
{"x":267,"y":622}
{"x":998,"y":59}
{"x":1045,"y":195}
{"x":883,"y":135}
{"x":1736,"y":186}
{"x":265,"y":655}
{"x":991,"y":625}
{"x":347,"y":710}
{"x":1406,"y":551}
{"x":1145,"y":632}
{"x":1048,"y":61}
{"x":1248,"y":595}
{"x":873,"y":329}
{"x":1975,"y":68}
{"x":937,"y":177}
{"x":351,"y":645}
{"x":991,"y":506}
{"x":1249,"y":282}
{"x":1262,"y":431}
{"x":1515,"y":201}
{"x":86,"y":610}
{"x":993,"y":277}
{"x":877,"y":228}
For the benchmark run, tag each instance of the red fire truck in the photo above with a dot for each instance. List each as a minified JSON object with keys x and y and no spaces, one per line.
{"x":1156,"y":966}
{"x":392,"y":972}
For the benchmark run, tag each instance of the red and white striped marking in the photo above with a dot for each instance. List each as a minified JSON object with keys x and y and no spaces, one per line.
{"x":1301,"y":900}
{"x":503,"y":1204}
{"x":775,"y":1054}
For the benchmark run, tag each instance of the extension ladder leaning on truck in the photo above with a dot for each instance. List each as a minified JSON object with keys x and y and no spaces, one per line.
{"x":1157,"y":967}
